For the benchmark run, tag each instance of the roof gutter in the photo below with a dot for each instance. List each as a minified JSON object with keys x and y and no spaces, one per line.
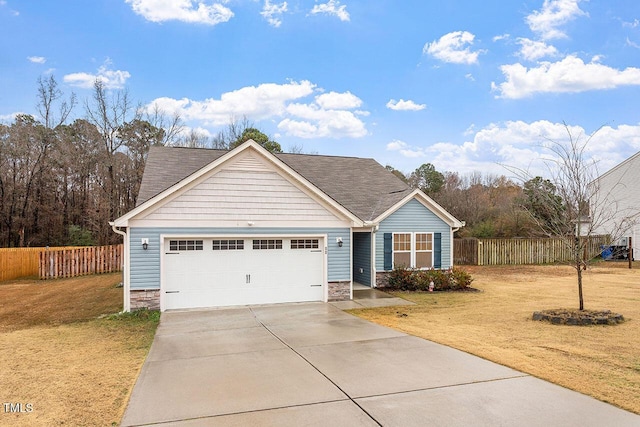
{"x":372,"y":224}
{"x":463,"y":223}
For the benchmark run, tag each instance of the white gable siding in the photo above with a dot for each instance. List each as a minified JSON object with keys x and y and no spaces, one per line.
{"x":248,"y":190}
{"x":618,"y":199}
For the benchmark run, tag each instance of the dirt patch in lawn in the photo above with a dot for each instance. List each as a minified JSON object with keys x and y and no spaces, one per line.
{"x":496,"y":324}
{"x":62,"y":368}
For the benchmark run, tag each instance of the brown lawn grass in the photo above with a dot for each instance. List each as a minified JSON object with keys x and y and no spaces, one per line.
{"x":601,"y":361}
{"x":56,"y":354}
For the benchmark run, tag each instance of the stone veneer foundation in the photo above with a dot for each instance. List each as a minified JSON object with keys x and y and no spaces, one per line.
{"x":382,"y":279}
{"x":149,"y":299}
{"x":339,"y":291}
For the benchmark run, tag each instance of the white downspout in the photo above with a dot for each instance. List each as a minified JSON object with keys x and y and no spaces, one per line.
{"x":125,"y":267}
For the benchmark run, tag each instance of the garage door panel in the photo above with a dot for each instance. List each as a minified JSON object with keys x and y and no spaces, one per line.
{"x":208,"y":278}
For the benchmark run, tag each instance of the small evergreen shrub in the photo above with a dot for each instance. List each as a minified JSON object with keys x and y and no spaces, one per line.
{"x":410,"y":279}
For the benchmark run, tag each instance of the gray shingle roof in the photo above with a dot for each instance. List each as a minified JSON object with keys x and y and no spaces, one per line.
{"x":362,"y":186}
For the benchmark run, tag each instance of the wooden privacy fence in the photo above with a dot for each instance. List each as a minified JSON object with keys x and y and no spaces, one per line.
{"x":80,"y":261}
{"x":20,"y":262}
{"x":518,"y":251}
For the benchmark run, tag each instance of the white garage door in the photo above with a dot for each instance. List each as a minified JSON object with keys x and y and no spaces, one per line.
{"x":238,"y":271}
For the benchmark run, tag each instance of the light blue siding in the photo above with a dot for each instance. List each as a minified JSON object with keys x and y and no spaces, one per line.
{"x":362,"y":258}
{"x":145,"y":264}
{"x":413,"y":217}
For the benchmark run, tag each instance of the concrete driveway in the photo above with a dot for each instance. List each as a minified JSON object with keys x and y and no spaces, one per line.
{"x":314,"y":365}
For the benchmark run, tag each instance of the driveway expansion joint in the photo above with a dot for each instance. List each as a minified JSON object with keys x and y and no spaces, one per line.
{"x":320,"y":372}
{"x":395,"y":393}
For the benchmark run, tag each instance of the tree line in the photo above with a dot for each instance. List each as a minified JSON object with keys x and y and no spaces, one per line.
{"x":492,"y":206}
{"x":62,"y":181}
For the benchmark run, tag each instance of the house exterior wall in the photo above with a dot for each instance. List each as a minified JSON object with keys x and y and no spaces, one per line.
{"x":145,"y":264}
{"x":616,"y":200}
{"x":362,"y":258}
{"x":413,"y":217}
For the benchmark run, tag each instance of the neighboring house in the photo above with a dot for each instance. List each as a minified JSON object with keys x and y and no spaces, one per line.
{"x":246,"y":226}
{"x":616,"y":201}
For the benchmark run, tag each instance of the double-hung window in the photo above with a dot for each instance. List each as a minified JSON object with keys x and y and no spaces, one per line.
{"x":402,"y":249}
{"x":413,"y":250}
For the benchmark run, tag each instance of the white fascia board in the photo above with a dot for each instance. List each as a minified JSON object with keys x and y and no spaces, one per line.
{"x":302,"y":182}
{"x":427,"y":202}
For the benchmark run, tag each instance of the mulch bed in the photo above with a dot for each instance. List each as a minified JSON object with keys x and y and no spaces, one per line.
{"x":564,"y":316}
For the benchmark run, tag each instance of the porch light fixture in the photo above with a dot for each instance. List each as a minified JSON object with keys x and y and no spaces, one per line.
{"x":339,"y":241}
{"x":145,"y":244}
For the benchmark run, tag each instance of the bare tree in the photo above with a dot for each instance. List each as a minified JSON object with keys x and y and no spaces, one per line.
{"x":172,"y":125}
{"x":109,"y":112}
{"x":193,"y":139}
{"x":225,"y":139}
{"x":575,"y":206}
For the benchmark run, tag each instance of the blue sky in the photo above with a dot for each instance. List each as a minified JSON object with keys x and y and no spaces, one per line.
{"x":465,"y":85}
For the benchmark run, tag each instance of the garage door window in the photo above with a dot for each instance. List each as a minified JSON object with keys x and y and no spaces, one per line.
{"x":267,"y":244}
{"x":185,"y":245}
{"x":304,"y":244}
{"x":228,"y":245}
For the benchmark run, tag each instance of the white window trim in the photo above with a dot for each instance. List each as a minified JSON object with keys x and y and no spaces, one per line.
{"x":413,"y":247}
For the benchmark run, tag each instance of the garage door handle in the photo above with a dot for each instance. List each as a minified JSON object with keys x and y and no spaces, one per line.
{"x":315,"y":286}
{"x":171,"y":292}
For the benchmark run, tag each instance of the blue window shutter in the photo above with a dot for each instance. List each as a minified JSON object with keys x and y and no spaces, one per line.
{"x":437,"y":250}
{"x":388,"y":251}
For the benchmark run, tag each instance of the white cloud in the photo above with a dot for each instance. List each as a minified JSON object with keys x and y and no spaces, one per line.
{"x":403,"y":105}
{"x":568,"y":75}
{"x":454,"y":48}
{"x":634,"y":24}
{"x":255,"y":102}
{"x":182,"y":10}
{"x":518,"y":144}
{"x":334,"y":100}
{"x":112,"y":79}
{"x":326,"y":115}
{"x":632,"y":44}
{"x":8,"y":118}
{"x":273,"y":12}
{"x":554,"y":14}
{"x":11,"y":11}
{"x":332,"y":7}
{"x":313,"y":121}
{"x":405,"y":150}
{"x":37,"y":59}
{"x":501,"y":37}
{"x":532,"y":50}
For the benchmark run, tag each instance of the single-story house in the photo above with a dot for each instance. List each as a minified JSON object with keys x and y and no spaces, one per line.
{"x":615,"y":202}
{"x":247,"y":226}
